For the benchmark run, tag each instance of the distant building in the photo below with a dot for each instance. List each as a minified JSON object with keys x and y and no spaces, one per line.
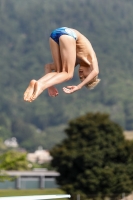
{"x":36,"y":179}
{"x":11,"y":142}
{"x":39,"y":156}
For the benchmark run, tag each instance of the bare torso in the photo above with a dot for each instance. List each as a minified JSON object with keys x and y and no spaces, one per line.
{"x":84,"y":50}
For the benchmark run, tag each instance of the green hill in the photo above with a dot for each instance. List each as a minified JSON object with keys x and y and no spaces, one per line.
{"x":24,"y":49}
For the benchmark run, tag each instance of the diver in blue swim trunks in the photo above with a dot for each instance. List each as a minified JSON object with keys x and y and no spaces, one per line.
{"x":55,"y":35}
{"x":69,"y":48}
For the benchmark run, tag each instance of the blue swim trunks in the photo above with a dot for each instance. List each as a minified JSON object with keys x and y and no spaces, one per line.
{"x":55,"y":35}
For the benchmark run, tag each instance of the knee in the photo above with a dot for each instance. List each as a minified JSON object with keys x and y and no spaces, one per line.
{"x":70,"y":76}
{"x":32,"y":81}
{"x":47,"y":66}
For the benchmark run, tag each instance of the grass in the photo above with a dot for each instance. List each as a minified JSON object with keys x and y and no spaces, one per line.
{"x":5,"y":193}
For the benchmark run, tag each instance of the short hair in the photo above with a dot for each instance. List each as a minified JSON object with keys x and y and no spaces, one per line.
{"x":93,"y":83}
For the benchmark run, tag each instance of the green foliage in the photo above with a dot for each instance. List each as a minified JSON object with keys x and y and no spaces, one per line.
{"x":25,"y":27}
{"x":94,"y":159}
{"x":2,"y":145}
{"x":12,"y":160}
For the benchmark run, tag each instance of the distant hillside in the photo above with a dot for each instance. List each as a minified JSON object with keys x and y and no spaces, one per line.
{"x":24,"y":49}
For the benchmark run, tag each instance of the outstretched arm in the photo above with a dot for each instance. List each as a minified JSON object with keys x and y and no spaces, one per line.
{"x":93,"y":73}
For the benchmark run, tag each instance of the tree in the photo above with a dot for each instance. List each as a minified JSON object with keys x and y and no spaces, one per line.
{"x":95,"y":158}
{"x":12,"y":160}
{"x":24,"y":50}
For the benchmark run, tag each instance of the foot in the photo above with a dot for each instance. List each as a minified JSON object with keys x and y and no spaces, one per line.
{"x":29,"y":91}
{"x":52,"y":91}
{"x":38,"y":89}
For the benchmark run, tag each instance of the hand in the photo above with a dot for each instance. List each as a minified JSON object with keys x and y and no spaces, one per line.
{"x":52,"y":91}
{"x":70,"y":89}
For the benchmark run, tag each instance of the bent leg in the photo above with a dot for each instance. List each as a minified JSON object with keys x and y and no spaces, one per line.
{"x":64,"y":60}
{"x":55,"y":51}
{"x":30,"y":89}
{"x":68,"y":53}
{"x":41,"y":85}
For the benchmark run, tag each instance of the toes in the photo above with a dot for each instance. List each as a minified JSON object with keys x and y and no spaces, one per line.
{"x":29,"y":92}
